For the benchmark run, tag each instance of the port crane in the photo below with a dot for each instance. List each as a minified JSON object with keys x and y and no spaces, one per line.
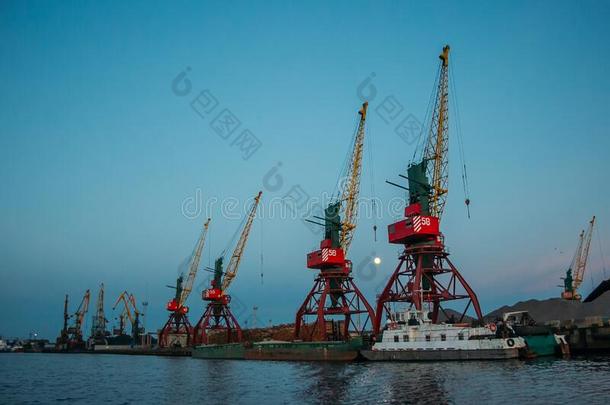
{"x":177,"y":330}
{"x":425,"y":275}
{"x":72,"y":336}
{"x":131,"y":312}
{"x":334,"y":293}
{"x":576,"y":272}
{"x":217,"y":315}
{"x":98,"y":328}
{"x":62,"y":340}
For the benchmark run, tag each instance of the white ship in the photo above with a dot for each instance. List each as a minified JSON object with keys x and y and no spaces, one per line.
{"x":411,"y":336}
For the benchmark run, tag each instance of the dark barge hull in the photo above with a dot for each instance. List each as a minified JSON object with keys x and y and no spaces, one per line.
{"x":282,"y":351}
{"x":129,"y":351}
{"x":298,"y":354}
{"x":305,"y":351}
{"x":234,"y":351}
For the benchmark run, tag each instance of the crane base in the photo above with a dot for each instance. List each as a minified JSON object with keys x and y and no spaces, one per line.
{"x":334,"y":295}
{"x":217,"y":317}
{"x":425,"y":275}
{"x":176,"y":332}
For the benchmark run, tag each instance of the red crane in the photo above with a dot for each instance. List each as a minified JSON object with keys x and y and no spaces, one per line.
{"x":177,"y":330}
{"x":217,"y":315}
{"x":425,"y":276}
{"x":334,"y":294}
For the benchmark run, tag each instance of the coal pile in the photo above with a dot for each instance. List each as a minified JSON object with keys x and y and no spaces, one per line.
{"x":557,"y":309}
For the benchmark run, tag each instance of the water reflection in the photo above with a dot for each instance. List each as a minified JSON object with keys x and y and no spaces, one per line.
{"x":405,"y":382}
{"x":327,"y":382}
{"x":42,"y":378}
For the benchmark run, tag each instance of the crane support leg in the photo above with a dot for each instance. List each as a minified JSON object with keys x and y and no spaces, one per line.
{"x":425,"y":277}
{"x":217,"y":317}
{"x":176,"y":331}
{"x":336,"y":303}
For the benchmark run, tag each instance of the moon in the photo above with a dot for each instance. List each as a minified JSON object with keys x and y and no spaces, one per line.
{"x":377,"y":260}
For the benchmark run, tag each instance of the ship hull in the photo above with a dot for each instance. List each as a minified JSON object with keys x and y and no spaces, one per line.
{"x":305,"y":351}
{"x":542,"y":345}
{"x":222,"y":351}
{"x":440,"y":355}
{"x":298,"y":354}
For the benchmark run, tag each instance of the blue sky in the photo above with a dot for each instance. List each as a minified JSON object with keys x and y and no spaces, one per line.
{"x":98,"y":155}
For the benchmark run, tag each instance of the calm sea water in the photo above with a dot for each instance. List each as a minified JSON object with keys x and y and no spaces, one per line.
{"x":91,"y":379}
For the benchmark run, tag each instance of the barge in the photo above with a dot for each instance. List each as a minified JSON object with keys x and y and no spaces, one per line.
{"x":283,"y":350}
{"x":220,"y":351}
{"x":306,"y":351}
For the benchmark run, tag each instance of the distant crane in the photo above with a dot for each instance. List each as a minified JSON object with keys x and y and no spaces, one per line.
{"x":576,"y":272}
{"x":425,"y":276}
{"x":130,"y":310}
{"x":72,"y":336}
{"x":62,"y":340}
{"x":217,"y":315}
{"x":177,"y":330}
{"x":334,"y":293}
{"x":98,"y":327}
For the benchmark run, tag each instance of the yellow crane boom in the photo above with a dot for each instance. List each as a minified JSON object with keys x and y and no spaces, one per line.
{"x":132,"y":301}
{"x":82,"y":310}
{"x":194,"y":264}
{"x":438,"y":142}
{"x":583,"y":255}
{"x":125,"y":298}
{"x":351,"y":189}
{"x":233,"y":266}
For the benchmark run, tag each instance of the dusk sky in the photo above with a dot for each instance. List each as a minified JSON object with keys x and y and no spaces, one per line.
{"x":107,"y":169}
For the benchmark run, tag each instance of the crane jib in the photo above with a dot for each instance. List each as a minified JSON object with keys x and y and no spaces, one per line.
{"x":194,"y":264}
{"x":233,"y":266}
